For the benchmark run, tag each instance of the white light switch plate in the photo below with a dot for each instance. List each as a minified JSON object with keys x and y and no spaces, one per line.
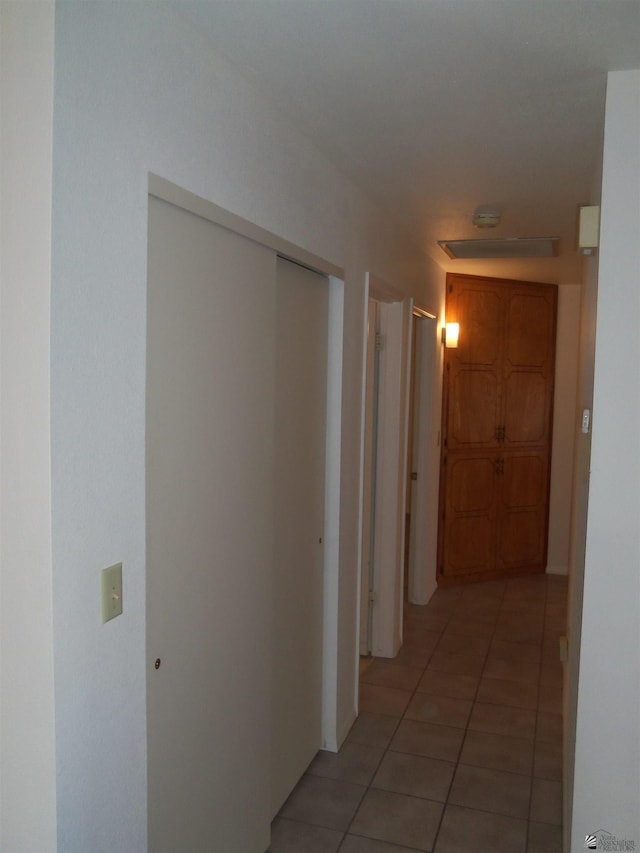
{"x":111,"y":585}
{"x":564,"y":649}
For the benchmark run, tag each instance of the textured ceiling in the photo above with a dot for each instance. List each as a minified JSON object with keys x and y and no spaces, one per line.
{"x":436,"y":107}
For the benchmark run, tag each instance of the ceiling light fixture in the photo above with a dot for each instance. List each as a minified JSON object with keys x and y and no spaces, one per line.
{"x":504,"y":247}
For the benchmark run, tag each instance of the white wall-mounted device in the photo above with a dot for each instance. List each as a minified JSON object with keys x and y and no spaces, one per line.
{"x":111,"y":591}
{"x":589,"y":229}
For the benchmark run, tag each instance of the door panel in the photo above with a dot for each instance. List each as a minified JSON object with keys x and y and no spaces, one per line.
{"x":473,"y":403}
{"x":473,"y":375}
{"x":520,"y":540}
{"x":470,"y":545}
{"x":300,"y":429}
{"x":528,"y":366}
{"x":471,"y":485}
{"x":528,"y":338}
{"x":479,"y":313}
{"x":424,"y":513}
{"x":523,"y":483}
{"x":471,"y":513}
{"x":525,"y":408}
{"x":522,"y":527}
{"x":368,"y":481}
{"x":209,"y":494}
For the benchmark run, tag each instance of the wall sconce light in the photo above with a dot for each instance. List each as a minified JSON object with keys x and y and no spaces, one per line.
{"x":450,"y":334}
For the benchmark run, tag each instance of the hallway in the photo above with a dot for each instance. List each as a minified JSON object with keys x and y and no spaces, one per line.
{"x":459,"y":740}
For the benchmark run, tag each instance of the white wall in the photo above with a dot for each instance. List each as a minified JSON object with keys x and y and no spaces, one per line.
{"x":579,"y":507}
{"x":564,"y":422}
{"x":27,"y":752}
{"x":136,"y":91}
{"x":607,"y":752}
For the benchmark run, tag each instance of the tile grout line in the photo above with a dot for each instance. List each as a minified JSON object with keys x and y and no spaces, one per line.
{"x":386,"y":748}
{"x":466,"y":728}
{"x":535,"y":728}
{"x":366,"y":790}
{"x":460,"y":606}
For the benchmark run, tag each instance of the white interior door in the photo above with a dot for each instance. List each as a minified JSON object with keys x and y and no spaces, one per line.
{"x":424,"y":518}
{"x":389,"y":488}
{"x":368,"y":480}
{"x":300,"y":434}
{"x":211,"y":354}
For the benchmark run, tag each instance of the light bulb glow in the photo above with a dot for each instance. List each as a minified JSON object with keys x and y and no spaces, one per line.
{"x":452,"y":333}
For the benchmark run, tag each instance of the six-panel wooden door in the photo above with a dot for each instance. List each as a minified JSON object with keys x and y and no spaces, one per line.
{"x":497,"y":419}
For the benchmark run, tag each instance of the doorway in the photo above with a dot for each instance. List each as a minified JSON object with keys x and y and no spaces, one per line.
{"x":386,"y":428}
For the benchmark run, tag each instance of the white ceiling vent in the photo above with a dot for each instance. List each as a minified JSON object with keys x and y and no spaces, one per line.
{"x":506,"y":247}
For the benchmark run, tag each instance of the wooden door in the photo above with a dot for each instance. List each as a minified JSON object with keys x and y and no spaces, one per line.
{"x":497,"y":419}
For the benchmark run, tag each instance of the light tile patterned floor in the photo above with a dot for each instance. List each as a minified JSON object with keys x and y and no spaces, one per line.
{"x":458,"y":744}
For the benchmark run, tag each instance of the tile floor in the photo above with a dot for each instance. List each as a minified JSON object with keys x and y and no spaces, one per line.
{"x":458,"y":744}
